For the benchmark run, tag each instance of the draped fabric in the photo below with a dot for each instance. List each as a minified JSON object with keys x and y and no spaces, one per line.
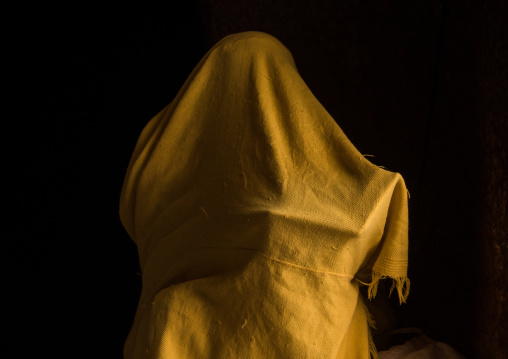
{"x":255,"y":218}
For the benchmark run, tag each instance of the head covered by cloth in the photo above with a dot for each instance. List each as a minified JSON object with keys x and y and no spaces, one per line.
{"x":256,"y":218}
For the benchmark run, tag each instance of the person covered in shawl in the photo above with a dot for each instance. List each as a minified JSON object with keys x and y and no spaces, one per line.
{"x":255,"y":218}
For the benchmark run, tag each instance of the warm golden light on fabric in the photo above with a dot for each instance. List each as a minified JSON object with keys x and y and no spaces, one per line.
{"x":255,"y":217}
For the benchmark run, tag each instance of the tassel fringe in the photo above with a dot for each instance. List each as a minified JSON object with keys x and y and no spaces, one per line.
{"x":372,"y":325}
{"x":401,"y":283}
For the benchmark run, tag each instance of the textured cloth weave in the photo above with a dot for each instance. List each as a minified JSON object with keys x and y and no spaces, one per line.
{"x":256,"y":219}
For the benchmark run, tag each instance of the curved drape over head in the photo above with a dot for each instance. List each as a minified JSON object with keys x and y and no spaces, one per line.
{"x":256,"y":218}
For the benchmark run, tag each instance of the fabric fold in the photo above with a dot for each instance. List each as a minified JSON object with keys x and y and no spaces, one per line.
{"x":256,"y":218}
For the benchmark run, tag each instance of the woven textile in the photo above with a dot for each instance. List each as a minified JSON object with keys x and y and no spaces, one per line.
{"x":256,"y":219}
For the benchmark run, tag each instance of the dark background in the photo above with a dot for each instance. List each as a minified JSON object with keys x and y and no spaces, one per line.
{"x":421,"y":85}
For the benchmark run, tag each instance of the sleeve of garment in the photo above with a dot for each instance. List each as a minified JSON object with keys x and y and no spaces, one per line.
{"x":390,"y":258}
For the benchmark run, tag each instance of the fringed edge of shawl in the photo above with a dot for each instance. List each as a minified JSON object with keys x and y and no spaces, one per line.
{"x":401,"y":283}
{"x":372,"y":325}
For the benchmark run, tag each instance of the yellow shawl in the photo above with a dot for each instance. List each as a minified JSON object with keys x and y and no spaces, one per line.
{"x":256,"y":218}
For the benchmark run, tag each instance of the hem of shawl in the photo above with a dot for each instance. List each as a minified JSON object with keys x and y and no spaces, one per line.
{"x":371,"y":325}
{"x":288,"y":263}
{"x":401,"y":283}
